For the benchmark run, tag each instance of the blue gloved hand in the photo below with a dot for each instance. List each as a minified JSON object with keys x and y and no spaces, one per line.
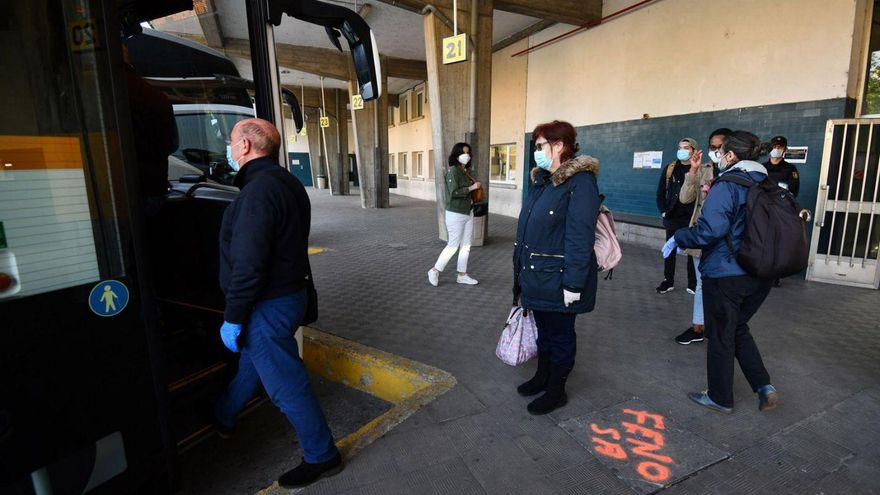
{"x":229,"y":332}
{"x":669,"y":247}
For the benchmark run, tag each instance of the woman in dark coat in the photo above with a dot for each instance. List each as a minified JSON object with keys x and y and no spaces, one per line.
{"x":554,"y":264}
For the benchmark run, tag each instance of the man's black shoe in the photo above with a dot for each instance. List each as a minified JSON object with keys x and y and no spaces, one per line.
{"x":665,"y":286}
{"x":689,"y":336}
{"x":305,"y":474}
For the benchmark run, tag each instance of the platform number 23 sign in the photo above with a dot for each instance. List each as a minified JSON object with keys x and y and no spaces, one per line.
{"x":325,"y":121}
{"x":455,"y":49}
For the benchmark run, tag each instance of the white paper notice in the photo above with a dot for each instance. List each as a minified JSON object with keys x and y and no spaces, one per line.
{"x":648,"y":159}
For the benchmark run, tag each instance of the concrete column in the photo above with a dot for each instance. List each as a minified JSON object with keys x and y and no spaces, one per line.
{"x":449,"y":89}
{"x":330,"y":147}
{"x":340,"y":160}
{"x":371,"y":145}
{"x":313,"y":132}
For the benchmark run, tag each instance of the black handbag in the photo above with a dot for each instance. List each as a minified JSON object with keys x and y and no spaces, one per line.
{"x":311,"y":314}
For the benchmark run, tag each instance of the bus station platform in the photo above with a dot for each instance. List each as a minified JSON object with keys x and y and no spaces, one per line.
{"x":819,"y":342}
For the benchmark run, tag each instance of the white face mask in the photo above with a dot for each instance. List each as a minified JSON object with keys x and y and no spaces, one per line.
{"x":464,"y":158}
{"x":715,"y":156}
{"x":776,"y":153}
{"x":723,"y":164}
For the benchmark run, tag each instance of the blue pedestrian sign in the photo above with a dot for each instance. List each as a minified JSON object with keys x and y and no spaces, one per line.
{"x":108,"y":298}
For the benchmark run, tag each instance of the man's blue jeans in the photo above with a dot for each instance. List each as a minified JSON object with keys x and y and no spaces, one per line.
{"x":269,"y":355}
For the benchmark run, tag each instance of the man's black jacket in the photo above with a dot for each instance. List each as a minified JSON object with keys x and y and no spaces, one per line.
{"x":264,"y":238}
{"x":784,"y":173}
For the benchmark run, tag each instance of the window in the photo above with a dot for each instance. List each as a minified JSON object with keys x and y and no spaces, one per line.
{"x":402,"y":165}
{"x":417,"y":164}
{"x":871,"y":98}
{"x":404,"y":109}
{"x":390,"y":115}
{"x":430,"y":164}
{"x":502,"y":163}
{"x":419,"y":104}
{"x":392,"y":167}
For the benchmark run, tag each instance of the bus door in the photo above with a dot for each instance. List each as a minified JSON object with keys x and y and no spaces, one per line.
{"x":79,"y":406}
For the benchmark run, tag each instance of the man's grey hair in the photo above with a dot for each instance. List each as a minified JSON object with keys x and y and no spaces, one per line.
{"x":264,"y":137}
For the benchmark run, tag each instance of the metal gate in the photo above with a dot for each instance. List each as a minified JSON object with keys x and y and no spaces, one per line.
{"x":847,"y":229}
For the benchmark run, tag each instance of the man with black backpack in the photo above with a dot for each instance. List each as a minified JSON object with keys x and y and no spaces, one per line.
{"x":750,"y":233}
{"x":676,"y":214}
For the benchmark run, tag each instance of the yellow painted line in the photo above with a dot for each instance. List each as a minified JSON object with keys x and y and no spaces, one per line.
{"x":408,"y":385}
{"x":316,"y":250}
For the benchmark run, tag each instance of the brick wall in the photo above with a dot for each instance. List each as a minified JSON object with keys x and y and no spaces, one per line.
{"x":632,"y":191}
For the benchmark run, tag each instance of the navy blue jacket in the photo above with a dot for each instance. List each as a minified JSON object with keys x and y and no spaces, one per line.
{"x":264,"y":238}
{"x":555,"y":237}
{"x":723,"y":212}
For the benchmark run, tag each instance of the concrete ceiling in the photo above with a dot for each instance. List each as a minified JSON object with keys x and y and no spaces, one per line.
{"x":398,"y":32}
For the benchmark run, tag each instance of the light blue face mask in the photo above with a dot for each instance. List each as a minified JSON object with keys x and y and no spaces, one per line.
{"x":683,"y":155}
{"x":232,"y":163}
{"x":542,"y":161}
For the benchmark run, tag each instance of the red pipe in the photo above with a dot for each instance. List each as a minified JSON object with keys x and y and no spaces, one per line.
{"x":585,"y":27}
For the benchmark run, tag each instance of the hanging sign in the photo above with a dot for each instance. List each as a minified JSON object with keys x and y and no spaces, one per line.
{"x":325,"y":121}
{"x":83,"y":35}
{"x":357,"y":102}
{"x":303,"y":131}
{"x":455,"y":49}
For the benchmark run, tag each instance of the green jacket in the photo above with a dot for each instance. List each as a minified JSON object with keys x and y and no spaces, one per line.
{"x":458,"y":198}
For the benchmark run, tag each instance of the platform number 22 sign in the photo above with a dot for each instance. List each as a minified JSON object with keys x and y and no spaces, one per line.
{"x":455,"y":49}
{"x":357,"y":102}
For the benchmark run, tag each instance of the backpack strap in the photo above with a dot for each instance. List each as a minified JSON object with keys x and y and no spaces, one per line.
{"x":669,"y":170}
{"x":736,"y":179}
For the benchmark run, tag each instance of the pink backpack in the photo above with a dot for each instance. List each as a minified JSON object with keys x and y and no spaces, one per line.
{"x":606,"y":247}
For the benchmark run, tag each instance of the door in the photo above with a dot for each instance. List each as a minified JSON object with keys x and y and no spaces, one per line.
{"x":78,"y":403}
{"x":301,"y":167}
{"x":847,"y":230}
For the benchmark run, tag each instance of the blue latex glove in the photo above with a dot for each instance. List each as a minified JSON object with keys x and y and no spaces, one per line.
{"x":669,"y":247}
{"x":229,"y":332}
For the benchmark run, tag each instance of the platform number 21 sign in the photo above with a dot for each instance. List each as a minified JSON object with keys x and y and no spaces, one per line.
{"x":455,"y":49}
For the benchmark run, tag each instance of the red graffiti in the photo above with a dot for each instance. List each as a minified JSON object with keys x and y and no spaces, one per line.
{"x":648,"y":433}
{"x":641,"y":416}
{"x":653,"y":472}
{"x":645,"y":443}
{"x":608,"y":431}
{"x":612,"y":450}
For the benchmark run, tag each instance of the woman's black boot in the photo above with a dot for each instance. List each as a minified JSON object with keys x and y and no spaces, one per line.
{"x":554,"y":397}
{"x":538,"y":382}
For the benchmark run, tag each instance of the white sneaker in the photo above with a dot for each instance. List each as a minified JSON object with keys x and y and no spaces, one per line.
{"x":465,"y":279}
{"x":433,"y":277}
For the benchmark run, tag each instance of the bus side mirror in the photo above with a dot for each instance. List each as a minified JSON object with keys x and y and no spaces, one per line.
{"x":295,"y":109}
{"x":339,"y":21}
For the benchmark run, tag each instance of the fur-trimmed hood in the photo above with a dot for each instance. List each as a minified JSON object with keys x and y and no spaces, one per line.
{"x":578,"y":164}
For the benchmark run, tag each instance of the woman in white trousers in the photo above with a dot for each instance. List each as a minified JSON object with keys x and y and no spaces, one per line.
{"x":459,"y":217}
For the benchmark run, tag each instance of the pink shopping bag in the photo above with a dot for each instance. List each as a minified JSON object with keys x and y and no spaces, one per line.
{"x":518,"y":342}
